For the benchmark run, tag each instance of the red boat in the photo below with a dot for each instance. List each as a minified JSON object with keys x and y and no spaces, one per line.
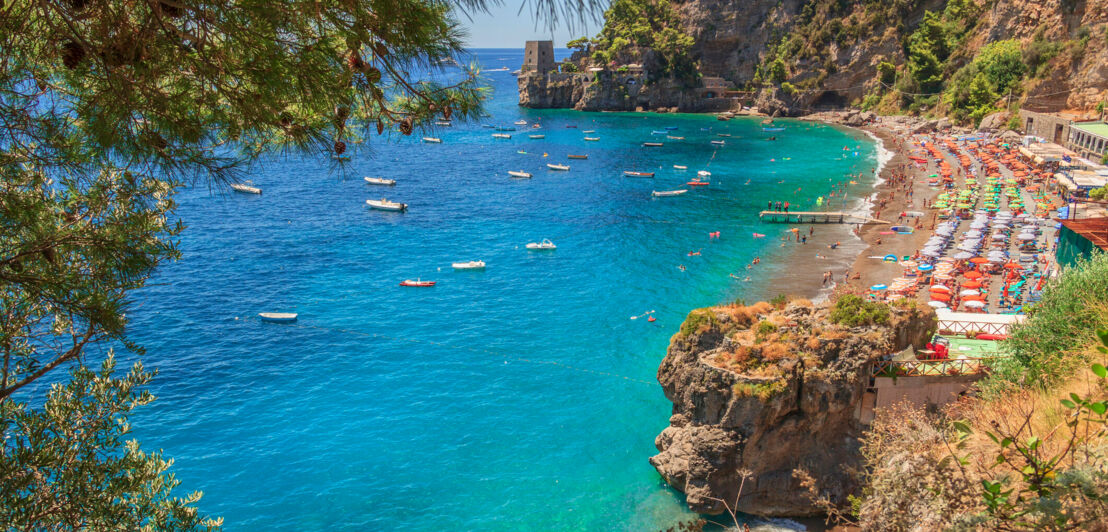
{"x":697,"y":183}
{"x":417,"y":282}
{"x":638,"y":174}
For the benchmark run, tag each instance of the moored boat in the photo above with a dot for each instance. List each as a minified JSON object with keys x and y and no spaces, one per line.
{"x":680,"y":167}
{"x":386,"y":205}
{"x":417,"y":282}
{"x":443,"y":123}
{"x":380,"y":181}
{"x":571,"y":156}
{"x":519,"y":173}
{"x":671,"y":128}
{"x":469,"y":265}
{"x":246,"y":188}
{"x":629,"y":173}
{"x":278,"y":317}
{"x":505,"y":128}
{"x":561,"y":167}
{"x":772,"y":129}
{"x":723,"y":134}
{"x":588,"y":131}
{"x":520,"y":122}
{"x":546,"y":244}
{"x":671,"y":137}
{"x":697,"y":183}
{"x":656,"y":132}
{"x":717,"y":142}
{"x":703,"y":173}
{"x":432,"y":140}
{"x":652,"y":144}
{"x":592,"y":138}
{"x":666,"y":193}
{"x":537,"y":136}
{"x":501,"y":136}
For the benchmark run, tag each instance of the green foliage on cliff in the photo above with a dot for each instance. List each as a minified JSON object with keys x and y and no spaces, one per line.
{"x":634,"y":25}
{"x":854,"y":311}
{"x":698,"y":321}
{"x":974,"y":89}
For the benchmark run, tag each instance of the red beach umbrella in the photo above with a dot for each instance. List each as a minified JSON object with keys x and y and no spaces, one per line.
{"x":937,"y":296}
{"x":979,"y":260}
{"x":971,"y":284}
{"x":973,"y":275}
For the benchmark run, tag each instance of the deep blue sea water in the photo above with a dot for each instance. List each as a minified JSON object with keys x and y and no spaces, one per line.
{"x":518,"y":398}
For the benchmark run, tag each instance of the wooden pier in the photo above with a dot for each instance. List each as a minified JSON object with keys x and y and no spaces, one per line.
{"x":805,"y":217}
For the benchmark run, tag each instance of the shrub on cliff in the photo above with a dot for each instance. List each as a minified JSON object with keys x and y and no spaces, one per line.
{"x":854,"y":311}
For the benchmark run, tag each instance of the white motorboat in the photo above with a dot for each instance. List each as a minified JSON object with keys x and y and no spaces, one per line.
{"x":589,"y":131}
{"x":680,"y":167}
{"x":386,"y":205}
{"x":501,"y":136}
{"x":703,"y":173}
{"x":432,"y":140}
{"x":246,"y":188}
{"x":443,"y":123}
{"x":278,"y":317}
{"x":470,"y":265}
{"x":717,"y":142}
{"x":519,"y":173}
{"x":380,"y":181}
{"x":501,"y":69}
{"x":592,"y":139}
{"x":546,"y":244}
{"x":666,"y":193}
{"x":561,"y":167}
{"x":537,"y":136}
{"x":520,"y":122}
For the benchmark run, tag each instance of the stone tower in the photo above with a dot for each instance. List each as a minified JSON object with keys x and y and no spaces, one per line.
{"x":538,"y":56}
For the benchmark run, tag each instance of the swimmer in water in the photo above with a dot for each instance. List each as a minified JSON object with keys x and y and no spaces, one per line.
{"x":681,"y":267}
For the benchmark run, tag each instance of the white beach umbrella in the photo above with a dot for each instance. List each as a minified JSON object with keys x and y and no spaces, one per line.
{"x":975,"y":304}
{"x":969,"y":292}
{"x":936,"y":304}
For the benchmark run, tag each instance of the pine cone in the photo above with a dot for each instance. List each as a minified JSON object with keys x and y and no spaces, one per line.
{"x":406,"y":126}
{"x":72,"y":54}
{"x":354,"y":61}
{"x":340,"y":147}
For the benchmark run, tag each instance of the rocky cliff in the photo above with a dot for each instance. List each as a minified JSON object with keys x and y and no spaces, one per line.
{"x":610,"y":91}
{"x":759,"y":392}
{"x":830,"y":51}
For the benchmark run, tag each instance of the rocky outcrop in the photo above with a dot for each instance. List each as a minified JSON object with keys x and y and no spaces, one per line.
{"x":751,"y":406}
{"x":611,"y":91}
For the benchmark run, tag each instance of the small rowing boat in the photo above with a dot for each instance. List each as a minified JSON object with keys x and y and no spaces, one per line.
{"x":443,"y":123}
{"x":593,"y":139}
{"x":545,"y":245}
{"x":561,"y":167}
{"x":717,"y":142}
{"x":703,"y":173}
{"x":519,"y":173}
{"x":380,"y":181}
{"x":723,"y":134}
{"x":588,"y":131}
{"x":520,"y":122}
{"x":432,"y":140}
{"x":501,"y":136}
{"x":651,"y":144}
{"x":671,"y":128}
{"x":417,"y":282}
{"x":571,"y":156}
{"x":773,"y":129}
{"x":667,"y":193}
{"x":537,"y":136}
{"x":246,"y":188}
{"x":656,"y":132}
{"x":670,"y":137}
{"x":278,"y":317}
{"x":680,"y":167}
{"x":469,"y":265}
{"x":386,"y":205}
{"x":697,"y":183}
{"x":629,"y":173}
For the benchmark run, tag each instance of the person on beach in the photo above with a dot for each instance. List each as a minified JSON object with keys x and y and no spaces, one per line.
{"x":786,"y":206}
{"x":769,"y":205}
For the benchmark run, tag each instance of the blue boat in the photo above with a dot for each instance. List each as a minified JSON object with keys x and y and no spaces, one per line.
{"x":772,"y":129}
{"x":671,"y":128}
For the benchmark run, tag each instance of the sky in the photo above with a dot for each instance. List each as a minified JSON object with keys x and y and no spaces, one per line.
{"x":505,"y":27}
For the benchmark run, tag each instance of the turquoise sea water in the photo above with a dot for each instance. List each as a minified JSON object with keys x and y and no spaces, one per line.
{"x":518,"y":398}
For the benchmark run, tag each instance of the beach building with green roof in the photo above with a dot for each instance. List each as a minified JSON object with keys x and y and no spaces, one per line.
{"x":1089,"y":139}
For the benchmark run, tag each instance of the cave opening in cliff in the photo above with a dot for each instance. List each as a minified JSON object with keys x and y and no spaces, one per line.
{"x":830,"y":100}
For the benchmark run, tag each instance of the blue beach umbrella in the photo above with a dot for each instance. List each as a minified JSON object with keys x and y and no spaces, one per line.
{"x":926,"y":267}
{"x":877,"y":287}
